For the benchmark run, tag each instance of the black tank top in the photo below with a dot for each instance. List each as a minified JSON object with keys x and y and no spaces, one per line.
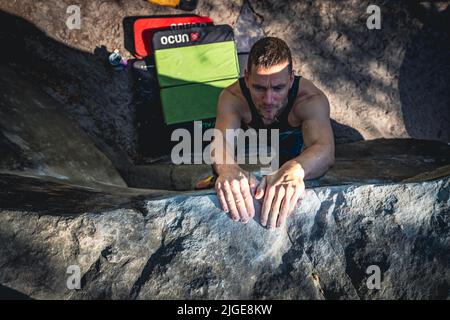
{"x":282,"y":124}
{"x":291,"y":138}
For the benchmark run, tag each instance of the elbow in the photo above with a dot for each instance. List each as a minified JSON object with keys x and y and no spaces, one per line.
{"x":331,"y":161}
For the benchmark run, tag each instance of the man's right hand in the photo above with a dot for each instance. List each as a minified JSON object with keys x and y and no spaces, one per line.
{"x":234,"y":188}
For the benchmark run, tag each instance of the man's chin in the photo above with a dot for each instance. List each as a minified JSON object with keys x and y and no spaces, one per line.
{"x":268,"y":118}
{"x":268,"y":115}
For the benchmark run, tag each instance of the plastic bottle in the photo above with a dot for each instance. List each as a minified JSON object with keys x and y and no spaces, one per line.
{"x":116,"y":60}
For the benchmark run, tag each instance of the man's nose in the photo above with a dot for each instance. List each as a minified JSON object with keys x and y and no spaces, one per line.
{"x":268,"y":97}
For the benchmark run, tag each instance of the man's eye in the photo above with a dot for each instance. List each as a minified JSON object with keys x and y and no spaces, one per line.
{"x":278,"y":88}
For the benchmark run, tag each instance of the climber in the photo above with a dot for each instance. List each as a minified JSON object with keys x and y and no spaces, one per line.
{"x":270,"y":96}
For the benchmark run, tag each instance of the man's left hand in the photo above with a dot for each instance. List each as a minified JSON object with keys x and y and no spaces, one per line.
{"x":281,"y":191}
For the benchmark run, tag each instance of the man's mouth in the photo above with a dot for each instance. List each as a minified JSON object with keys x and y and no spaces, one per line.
{"x":268,"y":109}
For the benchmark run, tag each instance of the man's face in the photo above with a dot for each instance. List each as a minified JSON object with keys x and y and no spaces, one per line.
{"x":269,"y":89}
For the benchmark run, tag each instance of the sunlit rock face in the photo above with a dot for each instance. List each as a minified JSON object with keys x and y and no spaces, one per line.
{"x":83,"y":215}
{"x":136,"y":246}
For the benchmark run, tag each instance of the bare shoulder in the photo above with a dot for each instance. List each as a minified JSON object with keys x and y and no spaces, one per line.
{"x":310,"y":101}
{"x":308,"y":90}
{"x":231,"y":99}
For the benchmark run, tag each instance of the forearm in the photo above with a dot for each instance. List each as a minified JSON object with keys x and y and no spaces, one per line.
{"x":222,"y":157}
{"x":219,"y":168}
{"x":315,"y":160}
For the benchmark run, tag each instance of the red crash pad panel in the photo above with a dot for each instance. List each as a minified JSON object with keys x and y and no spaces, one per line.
{"x":145,"y":28}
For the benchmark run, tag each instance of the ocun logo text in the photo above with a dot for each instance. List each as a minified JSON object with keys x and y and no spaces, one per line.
{"x":178,"y":38}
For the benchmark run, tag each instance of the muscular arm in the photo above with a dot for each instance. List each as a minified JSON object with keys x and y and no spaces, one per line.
{"x":282,"y":189}
{"x":228,"y":117}
{"x":233,"y":185}
{"x":318,"y":155}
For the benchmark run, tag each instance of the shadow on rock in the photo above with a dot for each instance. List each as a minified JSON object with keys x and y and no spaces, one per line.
{"x":90,"y":92}
{"x":344,"y":134}
{"x":425,"y":68}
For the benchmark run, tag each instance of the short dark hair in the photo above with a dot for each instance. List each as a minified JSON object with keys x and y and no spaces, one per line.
{"x":268,"y":52}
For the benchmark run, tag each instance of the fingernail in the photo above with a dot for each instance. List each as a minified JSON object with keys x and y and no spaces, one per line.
{"x":244,"y":221}
{"x":263,"y":223}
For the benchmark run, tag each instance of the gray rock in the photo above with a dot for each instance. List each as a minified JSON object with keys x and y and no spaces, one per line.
{"x":184,"y":247}
{"x":362,"y":162}
{"x":385,"y":160}
{"x":39,"y":139}
{"x":247,"y":29}
{"x":72,"y":65}
{"x":62,"y":203}
{"x":389,"y":84}
{"x":384,"y":83}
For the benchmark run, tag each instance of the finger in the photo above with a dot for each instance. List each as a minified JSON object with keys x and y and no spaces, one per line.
{"x":267,"y":205}
{"x":221,"y":196}
{"x":299,"y":191}
{"x":285,"y":206}
{"x":230,"y":201}
{"x":303,"y":191}
{"x":253,"y":183}
{"x":239,"y":200}
{"x":248,"y":199}
{"x":276,"y":207}
{"x":294,"y":200}
{"x":260,"y":191}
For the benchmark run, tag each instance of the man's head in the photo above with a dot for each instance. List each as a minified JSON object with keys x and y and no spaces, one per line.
{"x":269,"y":76}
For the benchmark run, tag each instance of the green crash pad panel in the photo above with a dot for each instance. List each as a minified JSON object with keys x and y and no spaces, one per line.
{"x":193,"y":66}
{"x":192,"y":102}
{"x":202,"y":63}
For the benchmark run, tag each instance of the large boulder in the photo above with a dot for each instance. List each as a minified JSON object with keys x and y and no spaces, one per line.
{"x":374,"y":161}
{"x":135,"y":246}
{"x":71,"y":65}
{"x":37,"y":138}
{"x":66,"y":196}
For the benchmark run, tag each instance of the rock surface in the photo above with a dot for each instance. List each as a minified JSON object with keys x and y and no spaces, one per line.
{"x":64,"y":199}
{"x":37,"y":138}
{"x":388,"y":83}
{"x":362,"y":162}
{"x":72,"y":65}
{"x":184,"y":247}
